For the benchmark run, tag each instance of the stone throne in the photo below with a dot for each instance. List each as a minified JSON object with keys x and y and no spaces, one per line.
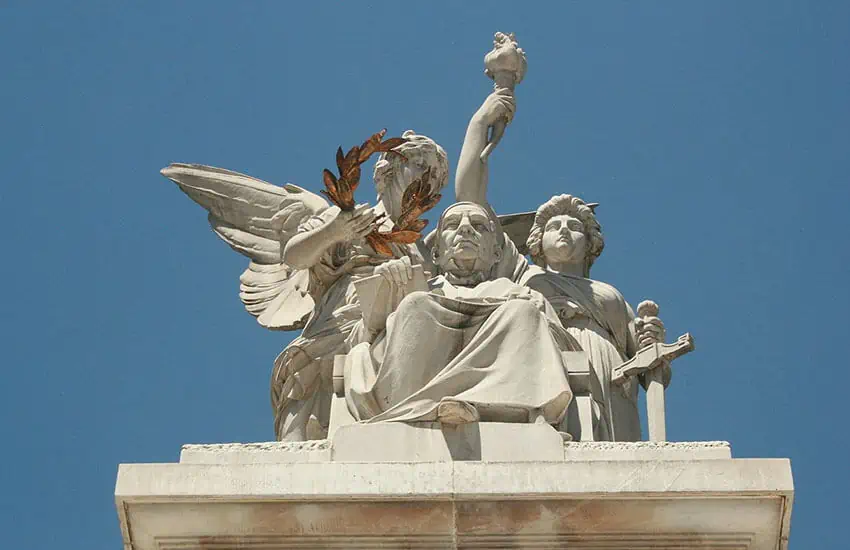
{"x":500,"y":441}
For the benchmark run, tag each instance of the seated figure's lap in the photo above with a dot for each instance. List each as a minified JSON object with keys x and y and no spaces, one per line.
{"x":413,"y":303}
{"x":520,"y":309}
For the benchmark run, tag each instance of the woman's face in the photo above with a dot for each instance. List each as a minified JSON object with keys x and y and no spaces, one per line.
{"x":403,"y":174}
{"x":564,"y":241}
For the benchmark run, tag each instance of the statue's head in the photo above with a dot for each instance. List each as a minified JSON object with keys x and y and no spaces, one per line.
{"x":565,"y":231}
{"x":393,"y":173}
{"x":467,"y":245}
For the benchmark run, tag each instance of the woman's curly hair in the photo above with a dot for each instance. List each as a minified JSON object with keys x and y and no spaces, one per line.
{"x":573,"y":206}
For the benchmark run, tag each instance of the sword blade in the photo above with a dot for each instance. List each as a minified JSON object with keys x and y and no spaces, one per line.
{"x":655,"y":414}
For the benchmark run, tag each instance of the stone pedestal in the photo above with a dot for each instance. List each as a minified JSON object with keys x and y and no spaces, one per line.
{"x":449,"y":491}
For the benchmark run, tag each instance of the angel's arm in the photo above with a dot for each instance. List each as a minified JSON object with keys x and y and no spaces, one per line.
{"x":305,"y":249}
{"x":472,"y":176}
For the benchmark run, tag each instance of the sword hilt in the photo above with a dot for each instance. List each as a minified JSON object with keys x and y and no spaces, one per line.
{"x":648,"y":308}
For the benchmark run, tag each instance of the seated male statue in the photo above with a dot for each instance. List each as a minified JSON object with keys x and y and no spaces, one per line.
{"x":471,"y":347}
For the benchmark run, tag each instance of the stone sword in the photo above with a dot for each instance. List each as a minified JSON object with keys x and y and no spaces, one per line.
{"x":650,"y":360}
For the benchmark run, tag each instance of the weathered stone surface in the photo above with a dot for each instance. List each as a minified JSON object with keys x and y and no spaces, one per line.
{"x":493,"y":442}
{"x":646,"y":450}
{"x":317,"y":450}
{"x":291,"y":234}
{"x":584,"y":504}
{"x":488,"y":441}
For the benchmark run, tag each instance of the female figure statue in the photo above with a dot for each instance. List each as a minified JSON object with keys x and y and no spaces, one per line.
{"x":564,"y":242}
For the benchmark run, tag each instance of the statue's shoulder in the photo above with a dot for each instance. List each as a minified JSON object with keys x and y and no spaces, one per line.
{"x":550,"y":283}
{"x":604,"y":290}
{"x":534,"y":274}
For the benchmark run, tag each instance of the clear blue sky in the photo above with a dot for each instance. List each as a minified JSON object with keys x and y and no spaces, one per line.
{"x":714,"y":135}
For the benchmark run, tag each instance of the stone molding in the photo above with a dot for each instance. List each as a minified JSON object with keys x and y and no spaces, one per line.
{"x":709,"y":504}
{"x":659,"y":445}
{"x":322,"y":450}
{"x":264,"y":446}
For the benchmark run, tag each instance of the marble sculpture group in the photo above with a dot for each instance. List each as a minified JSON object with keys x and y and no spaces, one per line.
{"x":456,"y":327}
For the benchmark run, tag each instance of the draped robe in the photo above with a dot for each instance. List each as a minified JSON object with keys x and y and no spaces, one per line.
{"x":496,"y":346}
{"x":303,"y":371}
{"x":598,"y":316}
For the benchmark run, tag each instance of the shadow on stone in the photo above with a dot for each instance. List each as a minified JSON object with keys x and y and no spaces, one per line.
{"x":463,"y":441}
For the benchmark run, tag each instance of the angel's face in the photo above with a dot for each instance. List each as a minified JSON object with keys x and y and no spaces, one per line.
{"x":393,"y":178}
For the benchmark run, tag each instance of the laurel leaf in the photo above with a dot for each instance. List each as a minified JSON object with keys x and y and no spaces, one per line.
{"x":351,"y":158}
{"x":391,"y":143}
{"x":345,"y":195}
{"x":352,"y":178}
{"x":378,"y":243}
{"x":329,"y":179}
{"x":417,"y":225}
{"x":412,"y":193}
{"x":371,"y":145}
{"x":403,"y":236}
{"x":340,"y":160}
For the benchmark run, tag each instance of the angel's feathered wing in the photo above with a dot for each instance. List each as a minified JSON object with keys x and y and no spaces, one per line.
{"x":240,"y":212}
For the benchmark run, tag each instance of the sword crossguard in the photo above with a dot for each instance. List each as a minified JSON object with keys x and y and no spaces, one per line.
{"x":651,"y":357}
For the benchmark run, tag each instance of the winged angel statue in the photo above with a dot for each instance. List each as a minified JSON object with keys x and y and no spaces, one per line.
{"x":305,"y":255}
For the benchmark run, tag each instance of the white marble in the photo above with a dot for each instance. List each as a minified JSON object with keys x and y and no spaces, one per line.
{"x":564,"y":241}
{"x":312,"y":268}
{"x":646,"y":450}
{"x":466,"y":347}
{"x":715,"y":503}
{"x":506,"y":64}
{"x":304,"y":255}
{"x":317,"y":450}
{"x":470,"y":399}
{"x":435,"y":442}
{"x":394,"y":442}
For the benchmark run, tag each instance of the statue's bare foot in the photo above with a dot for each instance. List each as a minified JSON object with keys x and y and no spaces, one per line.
{"x":453,"y":411}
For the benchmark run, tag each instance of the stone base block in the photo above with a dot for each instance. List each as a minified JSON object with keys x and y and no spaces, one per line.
{"x":434,"y":442}
{"x":617,"y":505}
{"x":470,"y":487}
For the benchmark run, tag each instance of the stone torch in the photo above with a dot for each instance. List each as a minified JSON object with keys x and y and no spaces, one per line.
{"x":505,"y":64}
